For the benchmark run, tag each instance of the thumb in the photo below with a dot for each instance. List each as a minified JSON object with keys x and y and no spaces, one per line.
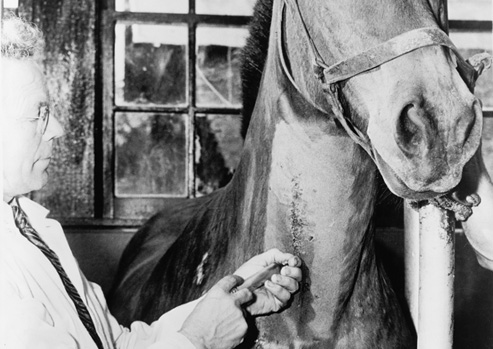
{"x":227,"y":283}
{"x":242,"y":296}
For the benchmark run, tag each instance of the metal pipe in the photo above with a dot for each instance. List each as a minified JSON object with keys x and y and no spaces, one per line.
{"x":430,"y":270}
{"x":411,"y":260}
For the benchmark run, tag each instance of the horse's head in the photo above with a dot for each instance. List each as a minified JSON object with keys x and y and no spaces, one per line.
{"x":413,"y":112}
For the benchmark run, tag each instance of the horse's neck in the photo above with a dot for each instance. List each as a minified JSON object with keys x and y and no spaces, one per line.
{"x":319,"y":191}
{"x":303,"y":186}
{"x":307,"y":189}
{"x":313,"y":183}
{"x":318,"y":196}
{"x":301,"y":169}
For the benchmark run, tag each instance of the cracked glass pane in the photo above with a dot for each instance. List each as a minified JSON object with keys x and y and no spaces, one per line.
{"x":218,"y":149}
{"x":11,"y":4}
{"x":151,"y":154}
{"x":218,"y":66}
{"x":225,"y":7}
{"x":150,"y":64}
{"x":163,"y":6}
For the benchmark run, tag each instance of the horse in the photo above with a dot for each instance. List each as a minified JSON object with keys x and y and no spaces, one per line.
{"x":394,"y":102}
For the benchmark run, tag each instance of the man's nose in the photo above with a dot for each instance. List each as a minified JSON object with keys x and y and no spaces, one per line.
{"x":54,"y":129}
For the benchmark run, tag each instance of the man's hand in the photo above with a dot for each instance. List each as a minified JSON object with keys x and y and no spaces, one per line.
{"x":479,"y":227}
{"x":277,"y":291}
{"x":217,"y":321}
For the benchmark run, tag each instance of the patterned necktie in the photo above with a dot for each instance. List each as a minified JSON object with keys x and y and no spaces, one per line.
{"x":32,"y":235}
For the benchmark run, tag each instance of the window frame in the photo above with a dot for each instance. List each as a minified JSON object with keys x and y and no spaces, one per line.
{"x":473,"y":26}
{"x":107,"y":205}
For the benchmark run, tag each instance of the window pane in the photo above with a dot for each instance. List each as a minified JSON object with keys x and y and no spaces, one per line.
{"x":469,"y":10}
{"x":219,"y":144}
{"x":218,"y":66}
{"x":170,"y":6}
{"x":151,"y":154}
{"x":488,"y":144}
{"x":470,"y":44}
{"x":150,"y":64}
{"x":225,"y":7}
{"x":13,"y":4}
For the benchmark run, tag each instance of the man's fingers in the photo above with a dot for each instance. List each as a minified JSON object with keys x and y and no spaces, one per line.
{"x":281,"y":294}
{"x":294,"y":261}
{"x":276,"y":256}
{"x":286,"y":282}
{"x":292,"y":272}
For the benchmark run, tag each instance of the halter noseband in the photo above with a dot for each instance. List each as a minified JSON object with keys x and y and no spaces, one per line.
{"x":330,"y":76}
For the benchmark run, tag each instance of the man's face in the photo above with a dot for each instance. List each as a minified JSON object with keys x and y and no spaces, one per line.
{"x":26,"y":150}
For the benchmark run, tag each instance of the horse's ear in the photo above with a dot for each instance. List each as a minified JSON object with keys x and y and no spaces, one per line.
{"x":439,"y":8}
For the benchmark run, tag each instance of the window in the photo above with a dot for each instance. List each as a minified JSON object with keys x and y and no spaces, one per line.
{"x":470,"y":29}
{"x":10,"y":4}
{"x":172,"y":100}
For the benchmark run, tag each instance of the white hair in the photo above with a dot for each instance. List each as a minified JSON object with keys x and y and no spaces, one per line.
{"x":20,"y":39}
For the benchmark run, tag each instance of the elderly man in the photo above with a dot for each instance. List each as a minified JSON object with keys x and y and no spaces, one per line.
{"x":45,"y":300}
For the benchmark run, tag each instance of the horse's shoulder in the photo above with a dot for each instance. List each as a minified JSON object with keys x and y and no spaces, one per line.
{"x":147,"y":248}
{"x":171,"y":220}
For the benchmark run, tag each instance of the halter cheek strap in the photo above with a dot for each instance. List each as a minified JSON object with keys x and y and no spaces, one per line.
{"x":330,"y":76}
{"x":332,"y":93}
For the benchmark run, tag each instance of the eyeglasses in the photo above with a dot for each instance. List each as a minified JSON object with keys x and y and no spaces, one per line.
{"x":42,"y":119}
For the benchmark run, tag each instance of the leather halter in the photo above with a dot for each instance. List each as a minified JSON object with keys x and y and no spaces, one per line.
{"x":331,"y":76}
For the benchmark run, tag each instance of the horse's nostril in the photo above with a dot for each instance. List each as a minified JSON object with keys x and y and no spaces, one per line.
{"x":467,"y":127}
{"x":411,"y":129}
{"x":476,"y":116}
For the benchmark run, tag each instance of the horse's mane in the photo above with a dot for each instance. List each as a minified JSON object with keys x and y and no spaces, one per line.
{"x":253,"y":58}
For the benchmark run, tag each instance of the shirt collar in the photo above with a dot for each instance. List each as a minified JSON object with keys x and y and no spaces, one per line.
{"x":33,"y":210}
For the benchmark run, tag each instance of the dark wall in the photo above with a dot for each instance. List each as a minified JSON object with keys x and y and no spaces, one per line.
{"x":69,"y":65}
{"x":98,"y":251}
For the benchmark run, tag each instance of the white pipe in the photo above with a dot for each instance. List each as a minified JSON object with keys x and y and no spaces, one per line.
{"x":411,"y":260}
{"x":436,"y":278}
{"x":429,"y":274}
